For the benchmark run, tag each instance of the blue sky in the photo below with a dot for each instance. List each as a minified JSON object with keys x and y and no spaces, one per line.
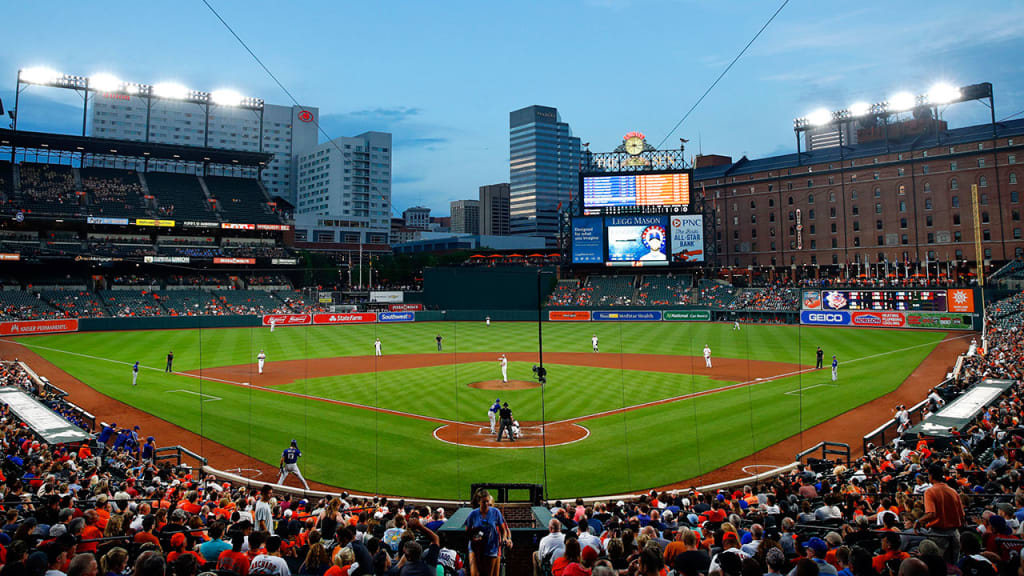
{"x":443,"y":76}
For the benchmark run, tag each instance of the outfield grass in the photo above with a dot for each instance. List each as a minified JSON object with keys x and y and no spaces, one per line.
{"x":374,"y":452}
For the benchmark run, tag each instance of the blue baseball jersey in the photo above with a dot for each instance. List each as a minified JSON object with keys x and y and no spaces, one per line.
{"x":135,"y":368}
{"x":105,"y":434}
{"x":496,"y":407}
{"x":835,"y":362}
{"x":291,"y":455}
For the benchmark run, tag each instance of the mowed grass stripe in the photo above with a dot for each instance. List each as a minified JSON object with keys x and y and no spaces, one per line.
{"x":364,"y":450}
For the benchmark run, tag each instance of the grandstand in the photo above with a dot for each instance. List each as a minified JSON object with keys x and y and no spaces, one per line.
{"x":251,"y":302}
{"x":611,"y":290}
{"x":241,"y":200}
{"x":189,"y":303}
{"x":19,"y":305}
{"x":6,"y":183}
{"x":114,"y":193}
{"x":75,"y":303}
{"x":713,"y":293}
{"x":131,"y":303}
{"x":180,"y":197}
{"x":664,"y":290}
{"x":566,"y":293}
{"x":48,"y":189}
{"x":773,"y":298}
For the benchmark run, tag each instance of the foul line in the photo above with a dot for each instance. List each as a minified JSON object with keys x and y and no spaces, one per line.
{"x":573,"y":420}
{"x":802,"y":390}
{"x":209,"y":397}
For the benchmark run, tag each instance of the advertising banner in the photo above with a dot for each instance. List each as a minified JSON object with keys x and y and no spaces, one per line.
{"x":284,"y":261}
{"x":148,"y":222}
{"x":233,"y":226}
{"x":7,"y":256}
{"x":234,"y":260}
{"x":395,"y":296}
{"x":345,"y":318}
{"x":939,"y":321}
{"x":961,"y":300}
{"x":587,"y":240}
{"x":281,"y":227}
{"x":811,"y":300}
{"x":199,"y":224}
{"x":569,"y":315}
{"x":881,"y":319}
{"x":165,"y":259}
{"x":628,"y":316}
{"x":405,"y":307}
{"x":286,"y":319}
{"x":839,"y":318}
{"x":687,"y":315}
{"x":396,"y":316}
{"x":111,"y":221}
{"x":687,"y":238}
{"x":38,"y":327}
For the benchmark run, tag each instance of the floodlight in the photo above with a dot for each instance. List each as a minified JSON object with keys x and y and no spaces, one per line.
{"x":943,"y":93}
{"x":226,"y":97}
{"x":104,"y":82}
{"x":901,"y":102}
{"x":131,"y":88}
{"x":819,"y":117}
{"x":38,"y":75}
{"x":859,"y":109}
{"x":170,"y":90}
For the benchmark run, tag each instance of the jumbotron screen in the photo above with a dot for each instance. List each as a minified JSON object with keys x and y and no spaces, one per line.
{"x":636,"y":190}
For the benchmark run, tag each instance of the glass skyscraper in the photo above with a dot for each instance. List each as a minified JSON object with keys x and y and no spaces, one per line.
{"x":543,"y":170}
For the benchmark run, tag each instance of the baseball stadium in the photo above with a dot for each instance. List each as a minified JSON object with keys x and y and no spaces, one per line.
{"x":164,"y":327}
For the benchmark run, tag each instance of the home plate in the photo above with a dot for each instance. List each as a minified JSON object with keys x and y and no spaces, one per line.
{"x":758,"y":379}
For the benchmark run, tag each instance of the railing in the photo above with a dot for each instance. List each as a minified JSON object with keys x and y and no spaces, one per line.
{"x":176,"y":453}
{"x":879,"y":436}
{"x":827,"y":449}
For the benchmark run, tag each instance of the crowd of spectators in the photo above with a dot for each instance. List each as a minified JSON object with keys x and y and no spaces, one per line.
{"x":46,"y":184}
{"x":714,"y":294}
{"x":120,"y":195}
{"x":266,"y":280}
{"x":769,"y":298}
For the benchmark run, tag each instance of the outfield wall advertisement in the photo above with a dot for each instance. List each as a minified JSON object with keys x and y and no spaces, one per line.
{"x":26,"y":327}
{"x":953,"y":309}
{"x":888,"y":319}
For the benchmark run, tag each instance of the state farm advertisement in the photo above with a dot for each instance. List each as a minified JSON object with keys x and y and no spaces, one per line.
{"x":38,"y":327}
{"x":286,"y":319}
{"x":405,"y":307}
{"x":345,"y":318}
{"x":880,"y":319}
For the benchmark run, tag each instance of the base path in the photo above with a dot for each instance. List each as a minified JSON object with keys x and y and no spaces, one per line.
{"x":276,"y":373}
{"x":849,"y":427}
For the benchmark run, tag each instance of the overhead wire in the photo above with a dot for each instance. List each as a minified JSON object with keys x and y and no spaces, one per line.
{"x":722,"y":75}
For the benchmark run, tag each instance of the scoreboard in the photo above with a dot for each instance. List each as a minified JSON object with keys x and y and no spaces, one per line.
{"x":925,"y":300}
{"x":626,"y":194}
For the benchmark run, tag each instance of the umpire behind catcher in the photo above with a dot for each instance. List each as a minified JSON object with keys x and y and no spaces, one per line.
{"x":505,"y":417}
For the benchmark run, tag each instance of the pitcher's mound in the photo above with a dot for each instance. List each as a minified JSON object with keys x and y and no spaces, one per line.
{"x":499,"y":385}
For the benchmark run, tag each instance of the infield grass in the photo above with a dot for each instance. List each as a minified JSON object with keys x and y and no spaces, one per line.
{"x":384,"y":453}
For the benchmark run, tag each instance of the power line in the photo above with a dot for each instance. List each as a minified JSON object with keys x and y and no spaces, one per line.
{"x":1011,"y":116}
{"x":720,"y":76}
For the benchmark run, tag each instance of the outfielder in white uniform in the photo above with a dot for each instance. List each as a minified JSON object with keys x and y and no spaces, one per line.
{"x":290,"y":464}
{"x":504,"y":368}
{"x":593,"y":342}
{"x":261,"y":358}
{"x":272,"y":324}
{"x":376,"y":347}
{"x":487,"y":320}
{"x":492,"y":413}
{"x":707,"y":355}
{"x":735,"y":324}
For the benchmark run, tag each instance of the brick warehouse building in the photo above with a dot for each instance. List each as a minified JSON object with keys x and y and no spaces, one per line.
{"x":901,"y":200}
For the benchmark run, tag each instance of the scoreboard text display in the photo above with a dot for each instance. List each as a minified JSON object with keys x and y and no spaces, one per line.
{"x":938,"y":309}
{"x":660,"y":193}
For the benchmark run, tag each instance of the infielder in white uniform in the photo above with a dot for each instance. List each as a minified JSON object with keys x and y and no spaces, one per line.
{"x":707,"y":355}
{"x":261,"y":358}
{"x":593,"y":342}
{"x":504,"y":368}
{"x":376,"y":347}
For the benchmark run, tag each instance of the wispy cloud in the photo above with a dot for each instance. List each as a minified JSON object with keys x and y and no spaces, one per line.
{"x":405,"y":123}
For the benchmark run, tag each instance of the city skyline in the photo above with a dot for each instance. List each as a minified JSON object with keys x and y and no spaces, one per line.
{"x":447,"y":100}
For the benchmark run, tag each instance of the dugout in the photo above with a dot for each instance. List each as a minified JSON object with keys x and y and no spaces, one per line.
{"x":499,"y":288}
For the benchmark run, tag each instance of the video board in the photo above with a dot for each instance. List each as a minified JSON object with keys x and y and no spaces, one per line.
{"x":638,"y":240}
{"x":633,"y":193}
{"x":951,"y":309}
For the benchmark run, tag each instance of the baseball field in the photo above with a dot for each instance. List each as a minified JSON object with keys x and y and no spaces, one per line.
{"x":643,"y":412}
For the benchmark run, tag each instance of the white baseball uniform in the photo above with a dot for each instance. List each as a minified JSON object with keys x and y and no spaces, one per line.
{"x":272,"y":324}
{"x":593,"y":342}
{"x":504,"y":369}
{"x":376,"y":347}
{"x":488,"y":320}
{"x":707,"y":356}
{"x":736,"y":325}
{"x":515,"y":429}
{"x":261,"y":358}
